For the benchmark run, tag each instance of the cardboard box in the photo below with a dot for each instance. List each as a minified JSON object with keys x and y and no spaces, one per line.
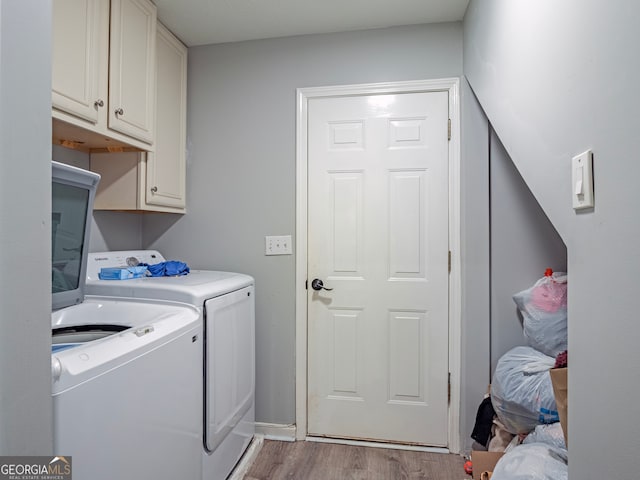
{"x":484,"y":462}
{"x":560,"y":390}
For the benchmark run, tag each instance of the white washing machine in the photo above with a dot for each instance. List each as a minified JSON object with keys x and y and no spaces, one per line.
{"x":126,"y":375}
{"x":126,"y":392}
{"x":226,"y":301}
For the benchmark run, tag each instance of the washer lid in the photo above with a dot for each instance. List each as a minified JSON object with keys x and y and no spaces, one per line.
{"x":72,"y":194}
{"x":124,"y":312}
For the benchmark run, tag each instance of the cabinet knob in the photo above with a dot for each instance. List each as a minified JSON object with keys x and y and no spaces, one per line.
{"x":154,"y":189}
{"x":120,"y":111}
{"x":98,"y":103}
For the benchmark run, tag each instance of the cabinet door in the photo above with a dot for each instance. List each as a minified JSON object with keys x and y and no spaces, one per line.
{"x":132,"y":68}
{"x":80,"y":50}
{"x":165,"y":184}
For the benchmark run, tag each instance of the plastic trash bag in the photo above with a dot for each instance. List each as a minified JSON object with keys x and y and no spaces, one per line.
{"x":551,"y":434}
{"x":533,"y":461}
{"x":521,"y":390}
{"x":544,"y":311}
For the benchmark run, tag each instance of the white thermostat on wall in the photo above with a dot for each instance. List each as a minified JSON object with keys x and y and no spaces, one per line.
{"x":582,"y":180}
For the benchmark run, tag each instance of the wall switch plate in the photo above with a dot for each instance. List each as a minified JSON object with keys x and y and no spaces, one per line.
{"x":582,"y":180}
{"x":277,"y":245}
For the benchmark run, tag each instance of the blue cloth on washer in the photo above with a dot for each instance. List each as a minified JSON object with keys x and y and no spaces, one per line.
{"x":122,"y":273}
{"x":171,"y":268}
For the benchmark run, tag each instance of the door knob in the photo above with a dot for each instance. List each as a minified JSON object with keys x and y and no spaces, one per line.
{"x":317,"y":284}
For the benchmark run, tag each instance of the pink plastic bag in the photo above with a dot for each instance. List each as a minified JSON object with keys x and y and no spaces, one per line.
{"x":544,"y":310}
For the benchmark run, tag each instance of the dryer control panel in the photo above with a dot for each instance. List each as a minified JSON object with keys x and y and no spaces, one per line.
{"x":124,"y":258}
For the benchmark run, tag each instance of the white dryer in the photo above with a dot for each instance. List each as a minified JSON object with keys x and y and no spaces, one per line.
{"x":226,"y":301}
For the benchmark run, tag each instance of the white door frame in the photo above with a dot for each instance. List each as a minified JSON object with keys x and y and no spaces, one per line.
{"x":452,"y":86}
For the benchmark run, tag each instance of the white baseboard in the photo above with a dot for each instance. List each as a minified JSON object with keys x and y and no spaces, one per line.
{"x":244,"y":465}
{"x":364,"y":443}
{"x":277,"y":431}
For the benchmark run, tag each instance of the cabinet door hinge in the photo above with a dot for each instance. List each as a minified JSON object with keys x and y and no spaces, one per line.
{"x":449,"y":129}
{"x":449,"y":261}
{"x":449,"y":388}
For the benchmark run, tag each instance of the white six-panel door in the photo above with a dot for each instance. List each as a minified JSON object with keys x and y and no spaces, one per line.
{"x":378,"y":237}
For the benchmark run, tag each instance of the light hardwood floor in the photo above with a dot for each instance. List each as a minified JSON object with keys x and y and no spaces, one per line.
{"x":325,"y":461}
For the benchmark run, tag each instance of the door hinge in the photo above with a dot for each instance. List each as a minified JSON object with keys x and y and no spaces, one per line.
{"x":449,"y":129}
{"x":306,"y":284}
{"x":449,"y":261}
{"x":449,"y":388}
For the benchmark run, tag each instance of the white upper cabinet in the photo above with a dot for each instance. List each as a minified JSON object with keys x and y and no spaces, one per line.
{"x":153,"y":181}
{"x":166,"y":166}
{"x":80,"y":56}
{"x":132,"y":68}
{"x":120,"y":94}
{"x":104,"y":73}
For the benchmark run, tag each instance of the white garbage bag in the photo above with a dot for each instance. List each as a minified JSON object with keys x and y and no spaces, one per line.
{"x":521,"y":390}
{"x":551,"y":434}
{"x":533,"y":461}
{"x":544,"y":312}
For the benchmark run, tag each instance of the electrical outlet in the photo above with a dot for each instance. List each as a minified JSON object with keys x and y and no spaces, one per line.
{"x":277,"y":245}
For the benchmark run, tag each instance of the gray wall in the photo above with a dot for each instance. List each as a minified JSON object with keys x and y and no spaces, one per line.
{"x":115,"y":231}
{"x":523,"y":244}
{"x":109,"y":230}
{"x":25,"y":228}
{"x":507,"y":242}
{"x":241,"y":164}
{"x":474,"y":230}
{"x":554,"y":79}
